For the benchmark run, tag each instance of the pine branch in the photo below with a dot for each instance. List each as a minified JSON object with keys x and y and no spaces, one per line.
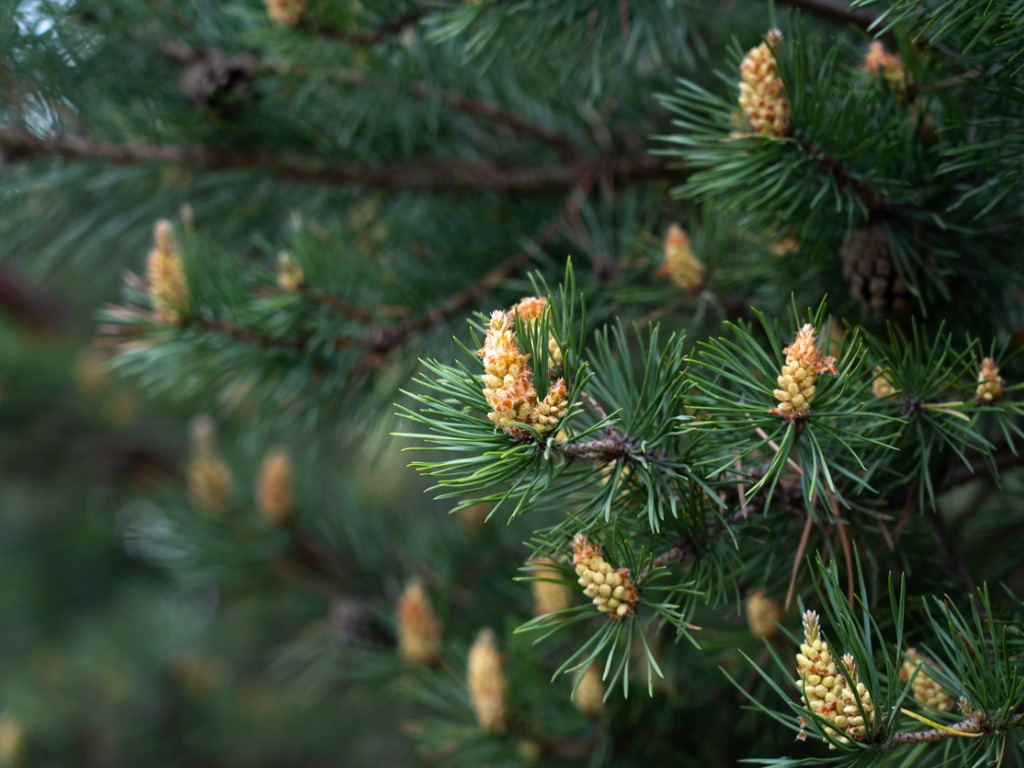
{"x":383,"y":339}
{"x":601,"y":451}
{"x":836,"y":11}
{"x":973,"y":724}
{"x":441,"y":175}
{"x":872,"y":201}
{"x":186,"y":54}
{"x":36,"y":308}
{"x":380,"y":33}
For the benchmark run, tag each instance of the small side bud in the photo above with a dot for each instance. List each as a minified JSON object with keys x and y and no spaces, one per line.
{"x":485,"y":679}
{"x":609,"y":589}
{"x":589,"y":695}
{"x":165,"y":278}
{"x":419,"y":628}
{"x":12,"y":740}
{"x":882,"y":387}
{"x":275,"y":487}
{"x":290,"y":277}
{"x":548,"y":597}
{"x":285,"y":13}
{"x":680,"y":264}
{"x":879,"y":62}
{"x":763,"y":614}
{"x":207,"y":475}
{"x":990,"y":383}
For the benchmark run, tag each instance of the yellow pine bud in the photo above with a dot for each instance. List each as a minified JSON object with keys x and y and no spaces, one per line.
{"x":165,"y":278}
{"x":419,"y":628}
{"x":990,"y":383}
{"x":474,"y":516}
{"x":924,"y":688}
{"x":818,"y":676}
{"x":508,"y":379}
{"x":882,"y":386}
{"x":548,"y":597}
{"x":799,"y":375}
{"x":763,"y":613}
{"x":552,"y":408}
{"x":825,"y":690}
{"x":508,"y":386}
{"x":208,"y":477}
{"x":275,"y":488}
{"x":762,"y":98}
{"x":485,"y":679}
{"x":90,"y":372}
{"x":589,"y":695}
{"x":529,"y":309}
{"x":285,"y":13}
{"x":854,"y":712}
{"x":878,"y":62}
{"x":680,"y":264}
{"x":609,"y":589}
{"x":12,"y":740}
{"x":784,"y":246}
{"x":290,"y":277}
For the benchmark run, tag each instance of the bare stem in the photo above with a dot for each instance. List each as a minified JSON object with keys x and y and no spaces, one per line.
{"x":973,"y":724}
{"x":437,"y":175}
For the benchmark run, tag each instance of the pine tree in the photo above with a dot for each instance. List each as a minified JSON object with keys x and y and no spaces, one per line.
{"x":699,"y":330}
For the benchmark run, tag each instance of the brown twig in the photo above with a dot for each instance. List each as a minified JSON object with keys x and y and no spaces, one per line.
{"x":974,"y":724}
{"x":439,"y":175}
{"x":336,"y":304}
{"x":871,"y":199}
{"x":496,"y":113}
{"x":601,"y":451}
{"x":31,"y":305}
{"x":380,"y":33}
{"x":683,"y":548}
{"x":836,"y":11}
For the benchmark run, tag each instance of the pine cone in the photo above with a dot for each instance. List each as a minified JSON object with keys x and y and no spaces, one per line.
{"x":868,"y":268}
{"x":220,"y":83}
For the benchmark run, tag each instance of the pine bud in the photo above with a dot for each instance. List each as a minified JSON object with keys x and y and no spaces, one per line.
{"x":419,"y":628}
{"x":529,"y":309}
{"x":275,"y":489}
{"x":990,"y":383}
{"x":680,"y":264}
{"x":165,"y":278}
{"x":799,"y":375}
{"x":924,"y":688}
{"x":855,"y":713}
{"x":871,"y":274}
{"x":552,"y":408}
{"x":762,"y":94}
{"x":763,"y":613}
{"x":820,"y":682}
{"x":508,"y":380}
{"x":485,"y":679}
{"x":290,"y":277}
{"x":91,"y":372}
{"x":825,"y":690}
{"x":882,"y":386}
{"x":548,"y":597}
{"x":209,"y":479}
{"x":610,"y":590}
{"x":285,"y":13}
{"x":589,"y":695}
{"x":12,"y":740}
{"x":878,"y":62}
